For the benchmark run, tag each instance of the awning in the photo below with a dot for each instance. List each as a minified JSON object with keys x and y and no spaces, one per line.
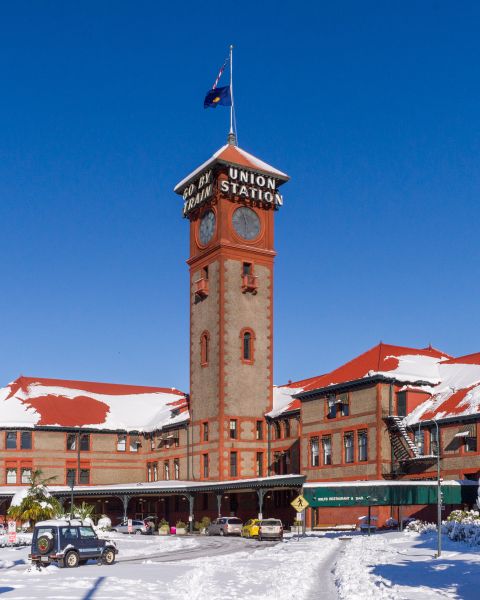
{"x":394,"y":493}
{"x":469,"y":430}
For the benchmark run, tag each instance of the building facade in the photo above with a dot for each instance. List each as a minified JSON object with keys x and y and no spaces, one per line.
{"x":383,"y":416}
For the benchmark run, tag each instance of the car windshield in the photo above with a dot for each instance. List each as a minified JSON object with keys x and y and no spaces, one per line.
{"x":234,"y":521}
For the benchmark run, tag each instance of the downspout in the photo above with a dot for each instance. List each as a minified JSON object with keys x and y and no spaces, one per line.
{"x":187,"y":427}
{"x":390,"y":412}
{"x":268,"y":447}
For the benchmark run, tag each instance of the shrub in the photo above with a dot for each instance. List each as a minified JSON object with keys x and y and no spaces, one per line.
{"x":181,"y":525}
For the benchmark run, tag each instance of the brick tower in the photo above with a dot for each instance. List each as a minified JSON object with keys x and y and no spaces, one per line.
{"x":230,"y":201}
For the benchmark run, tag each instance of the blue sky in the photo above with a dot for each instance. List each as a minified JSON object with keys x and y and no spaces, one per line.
{"x":372,"y":108}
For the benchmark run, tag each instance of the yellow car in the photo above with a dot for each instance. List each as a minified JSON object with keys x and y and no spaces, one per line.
{"x":250,"y":529}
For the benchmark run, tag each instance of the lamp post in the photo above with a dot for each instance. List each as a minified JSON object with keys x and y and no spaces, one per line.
{"x":72,"y":485}
{"x":439,"y":496}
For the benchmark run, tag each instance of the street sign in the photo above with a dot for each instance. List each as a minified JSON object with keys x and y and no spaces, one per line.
{"x":300,"y":504}
{"x":12,"y":532}
{"x":130,"y":525}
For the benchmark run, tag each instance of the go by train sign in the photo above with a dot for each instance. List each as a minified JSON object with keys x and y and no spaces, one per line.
{"x":240,"y":183}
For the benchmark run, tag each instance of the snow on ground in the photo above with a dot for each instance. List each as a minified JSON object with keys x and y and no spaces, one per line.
{"x":281,"y":572}
{"x":401,"y":566}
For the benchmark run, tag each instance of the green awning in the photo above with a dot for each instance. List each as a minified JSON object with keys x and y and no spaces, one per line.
{"x":389,"y":494}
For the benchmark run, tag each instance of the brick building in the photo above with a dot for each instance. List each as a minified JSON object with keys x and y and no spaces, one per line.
{"x":370,"y":419}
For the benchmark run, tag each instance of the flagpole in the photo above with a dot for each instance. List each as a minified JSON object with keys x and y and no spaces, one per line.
{"x":231,"y":135}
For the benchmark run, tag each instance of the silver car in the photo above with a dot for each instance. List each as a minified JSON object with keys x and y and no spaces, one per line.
{"x":225,"y":526}
{"x":270,"y":529}
{"x":138,"y":527}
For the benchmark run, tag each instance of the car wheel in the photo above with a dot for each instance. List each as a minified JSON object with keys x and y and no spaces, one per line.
{"x":71,"y":559}
{"x":138,"y":532}
{"x":108,"y":557}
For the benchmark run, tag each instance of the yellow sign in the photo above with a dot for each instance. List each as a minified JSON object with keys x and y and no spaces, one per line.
{"x":300,"y":504}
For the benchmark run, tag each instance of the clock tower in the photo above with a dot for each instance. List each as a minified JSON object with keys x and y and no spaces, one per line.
{"x":230,"y":202}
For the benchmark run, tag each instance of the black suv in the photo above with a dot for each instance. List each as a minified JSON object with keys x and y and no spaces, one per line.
{"x":69,"y":543}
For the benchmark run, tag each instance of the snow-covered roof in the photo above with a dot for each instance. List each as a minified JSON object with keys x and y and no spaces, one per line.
{"x":32,"y":401}
{"x":236,"y":156}
{"x":456,"y":395}
{"x":59,"y":522}
{"x":398,"y":362}
{"x":283,"y":400}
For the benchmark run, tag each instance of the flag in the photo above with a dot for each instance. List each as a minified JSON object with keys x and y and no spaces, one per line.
{"x":218,"y":95}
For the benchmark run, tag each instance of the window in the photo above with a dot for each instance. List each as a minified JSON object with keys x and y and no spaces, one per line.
{"x":26,"y":475}
{"x":84,"y":476}
{"x":259,"y":431}
{"x":121,"y":442}
{"x":348,"y":445}
{"x":259,"y":464}
{"x":204,"y":348}
{"x":343,"y":405}
{"x":233,"y":464}
{"x":331,"y":407}
{"x":166,"y":470}
{"x":152,"y":442}
{"x":287,"y":428}
{"x":11,"y":475}
{"x":68,"y":534}
{"x":176,"y":468}
{"x":314,"y":452}
{"x":278,"y":430}
{"x":276,"y":462}
{"x":87,"y":533}
{"x":205,"y":431}
{"x":155,"y":471}
{"x":176,"y":438}
{"x":433,"y":441}
{"x":402,"y":404}
{"x":420,"y":441}
{"x":327,"y":450}
{"x":149,"y":472}
{"x":71,"y":441}
{"x":247,"y":346}
{"x":205,"y":272}
{"x":26,"y":440}
{"x":11,"y":440}
{"x":233,"y":429}
{"x":471,"y":439}
{"x":71,"y":477}
{"x":247,"y":269}
{"x":205,"y":466}
{"x":134,"y":443}
{"x":362,"y":445}
{"x":85,"y":442}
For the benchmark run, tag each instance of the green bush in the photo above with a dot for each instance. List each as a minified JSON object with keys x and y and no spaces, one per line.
{"x":181,"y":525}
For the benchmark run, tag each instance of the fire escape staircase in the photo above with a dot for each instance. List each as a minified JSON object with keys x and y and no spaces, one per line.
{"x":404,"y":448}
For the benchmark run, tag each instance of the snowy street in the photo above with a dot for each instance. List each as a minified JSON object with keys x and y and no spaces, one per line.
{"x":387,"y":565}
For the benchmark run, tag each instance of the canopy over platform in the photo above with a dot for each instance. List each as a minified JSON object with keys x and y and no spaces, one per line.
{"x":388,"y":493}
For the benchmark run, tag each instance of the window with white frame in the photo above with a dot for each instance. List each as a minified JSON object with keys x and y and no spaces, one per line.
{"x":11,"y":475}
{"x":121,"y":442}
{"x":176,"y":468}
{"x":327,"y":449}
{"x":26,"y":475}
{"x":314,"y":452}
{"x":348,"y":445}
{"x":166,"y":470}
{"x":363,"y":445}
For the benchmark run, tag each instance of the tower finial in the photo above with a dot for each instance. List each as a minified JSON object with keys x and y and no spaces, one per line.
{"x":232,"y":139}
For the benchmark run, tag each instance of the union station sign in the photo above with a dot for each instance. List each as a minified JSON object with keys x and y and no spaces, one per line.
{"x":241,"y":183}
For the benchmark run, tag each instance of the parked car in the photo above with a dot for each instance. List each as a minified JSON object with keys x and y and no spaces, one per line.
{"x":69,"y":543}
{"x":263,"y":529}
{"x":138,"y":527}
{"x":225,"y":526}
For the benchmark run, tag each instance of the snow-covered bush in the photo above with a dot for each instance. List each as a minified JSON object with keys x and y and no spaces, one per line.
{"x":463,"y":525}
{"x":104,"y":523}
{"x":418,"y":526}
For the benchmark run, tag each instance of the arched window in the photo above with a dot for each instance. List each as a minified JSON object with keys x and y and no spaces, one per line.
{"x":247,"y":338}
{"x":204,"y":348}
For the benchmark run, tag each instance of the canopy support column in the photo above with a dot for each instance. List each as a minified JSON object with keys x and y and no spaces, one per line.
{"x":260,"y":493}
{"x":219,"y":503}
{"x":191,"y":501}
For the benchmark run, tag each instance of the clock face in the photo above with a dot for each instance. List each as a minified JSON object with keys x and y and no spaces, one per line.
{"x":207,"y":227}
{"x":246,"y":223}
